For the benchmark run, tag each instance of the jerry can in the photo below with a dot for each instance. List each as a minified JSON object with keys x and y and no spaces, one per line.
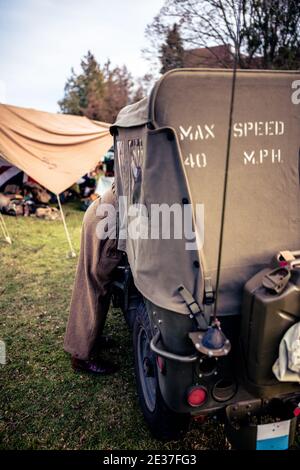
{"x":266,"y":316}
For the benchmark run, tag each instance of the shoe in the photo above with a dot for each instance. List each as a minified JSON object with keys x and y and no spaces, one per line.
{"x":94,"y":367}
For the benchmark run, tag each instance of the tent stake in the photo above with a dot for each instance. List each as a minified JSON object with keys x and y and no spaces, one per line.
{"x":4,"y":229}
{"x":72,"y":253}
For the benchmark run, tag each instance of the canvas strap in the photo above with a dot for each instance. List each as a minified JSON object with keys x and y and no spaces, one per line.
{"x":209,"y":294}
{"x":201,"y":316}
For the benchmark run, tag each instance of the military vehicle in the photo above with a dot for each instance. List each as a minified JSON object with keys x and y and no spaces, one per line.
{"x":209,"y":309}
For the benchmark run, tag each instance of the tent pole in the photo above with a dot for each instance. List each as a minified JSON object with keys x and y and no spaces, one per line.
{"x":4,"y":229}
{"x":72,"y":252}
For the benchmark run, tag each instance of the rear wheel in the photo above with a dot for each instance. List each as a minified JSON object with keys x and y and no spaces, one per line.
{"x":164,"y":423}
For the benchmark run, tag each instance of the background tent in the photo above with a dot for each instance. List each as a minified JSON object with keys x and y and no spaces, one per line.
{"x":12,"y":175}
{"x":54,"y":149}
{"x":7,"y":172}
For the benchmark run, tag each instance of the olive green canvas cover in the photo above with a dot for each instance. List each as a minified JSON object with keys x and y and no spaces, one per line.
{"x":179,"y":137}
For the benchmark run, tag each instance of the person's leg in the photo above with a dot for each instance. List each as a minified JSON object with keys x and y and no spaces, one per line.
{"x":91,"y":293}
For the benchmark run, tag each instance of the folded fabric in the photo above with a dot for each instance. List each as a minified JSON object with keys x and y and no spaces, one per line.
{"x":287,"y":366}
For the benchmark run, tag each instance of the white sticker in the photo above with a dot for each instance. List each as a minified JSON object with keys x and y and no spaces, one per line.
{"x":273,"y":430}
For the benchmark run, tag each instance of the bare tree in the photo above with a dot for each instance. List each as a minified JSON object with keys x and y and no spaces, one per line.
{"x":269,"y":30}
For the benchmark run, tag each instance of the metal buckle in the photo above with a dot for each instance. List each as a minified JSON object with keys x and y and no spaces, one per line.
{"x":209,"y":298}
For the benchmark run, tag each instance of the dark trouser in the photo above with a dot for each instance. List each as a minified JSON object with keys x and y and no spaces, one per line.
{"x":91,"y":293}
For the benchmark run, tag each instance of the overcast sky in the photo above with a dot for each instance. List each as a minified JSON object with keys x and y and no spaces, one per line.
{"x":40,"y":40}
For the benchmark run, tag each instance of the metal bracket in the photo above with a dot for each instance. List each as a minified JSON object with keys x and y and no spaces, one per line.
{"x":196,"y":337}
{"x":169,"y":355}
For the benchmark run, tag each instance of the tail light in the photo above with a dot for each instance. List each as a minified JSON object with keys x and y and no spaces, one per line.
{"x":196,"y":396}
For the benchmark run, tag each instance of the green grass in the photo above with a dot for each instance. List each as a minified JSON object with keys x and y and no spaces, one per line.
{"x":43,"y":403}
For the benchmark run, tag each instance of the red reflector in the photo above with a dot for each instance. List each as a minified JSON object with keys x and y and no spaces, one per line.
{"x":160,"y":364}
{"x":297,"y":411}
{"x":283,"y":263}
{"x":200,"y":419}
{"x":196,"y":396}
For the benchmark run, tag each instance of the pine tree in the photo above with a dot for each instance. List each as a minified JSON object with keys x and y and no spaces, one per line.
{"x":81,"y":89}
{"x":97,"y":92}
{"x":171,"y":53}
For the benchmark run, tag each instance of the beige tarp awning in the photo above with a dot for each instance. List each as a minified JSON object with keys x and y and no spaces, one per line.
{"x":54,"y":149}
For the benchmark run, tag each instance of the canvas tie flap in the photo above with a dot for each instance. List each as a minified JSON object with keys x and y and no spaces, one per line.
{"x":196,"y":311}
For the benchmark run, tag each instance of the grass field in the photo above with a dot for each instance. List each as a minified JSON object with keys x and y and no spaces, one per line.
{"x":43,"y":403}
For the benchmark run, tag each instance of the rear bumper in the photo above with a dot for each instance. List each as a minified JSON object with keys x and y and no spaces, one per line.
{"x":224,"y":379}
